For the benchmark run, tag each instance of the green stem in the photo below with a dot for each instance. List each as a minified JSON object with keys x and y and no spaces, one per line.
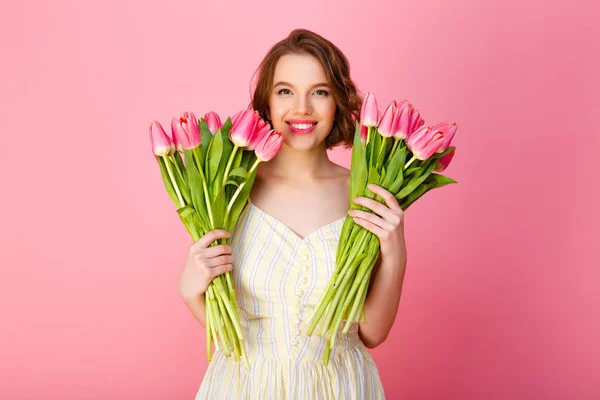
{"x":350,"y":243}
{"x":357,"y":302}
{"x":239,"y":189}
{"x":383,"y":141}
{"x":213,"y":330}
{"x":394,"y":147}
{"x":205,"y":190}
{"x":224,"y":332}
{"x":327,"y":353}
{"x":176,"y":165}
{"x":172,"y":178}
{"x":208,"y":330}
{"x":232,"y":313}
{"x":339,"y":292}
{"x":347,"y":299}
{"x":355,"y":293}
{"x":218,"y":323}
{"x":329,"y":292}
{"x":228,"y":167}
{"x":355,"y":251}
{"x":244,"y":354}
{"x":410,"y":162}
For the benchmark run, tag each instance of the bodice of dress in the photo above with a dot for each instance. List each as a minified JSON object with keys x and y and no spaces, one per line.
{"x":279,"y":280}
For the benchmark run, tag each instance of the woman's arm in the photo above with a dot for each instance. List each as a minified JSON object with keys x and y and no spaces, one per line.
{"x":387,"y":223}
{"x":381,"y":304}
{"x":198,"y":308}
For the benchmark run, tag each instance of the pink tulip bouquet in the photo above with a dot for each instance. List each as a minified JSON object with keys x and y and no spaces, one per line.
{"x":400,"y":153}
{"x":210,"y":186}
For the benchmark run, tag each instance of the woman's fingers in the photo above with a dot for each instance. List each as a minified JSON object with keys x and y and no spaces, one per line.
{"x":218,"y":261}
{"x":221,"y":269}
{"x":217,"y":251}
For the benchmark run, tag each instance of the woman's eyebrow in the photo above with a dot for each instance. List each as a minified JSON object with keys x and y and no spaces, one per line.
{"x":283,"y":83}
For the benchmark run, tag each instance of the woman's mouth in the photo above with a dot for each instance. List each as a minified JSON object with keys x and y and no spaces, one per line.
{"x":302,"y":128}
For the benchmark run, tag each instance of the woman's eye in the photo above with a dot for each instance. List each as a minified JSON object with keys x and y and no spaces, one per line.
{"x":282,"y":91}
{"x":325,"y":93}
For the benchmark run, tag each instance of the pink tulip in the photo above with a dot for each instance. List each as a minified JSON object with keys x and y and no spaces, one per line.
{"x":269,"y":146}
{"x":403,"y":115}
{"x":449,"y":129}
{"x":443,"y":162}
{"x":388,"y":120}
{"x":213,"y":121}
{"x":369,"y":113}
{"x":408,"y":120}
{"x":424,"y":142}
{"x":415,"y":122}
{"x":236,"y":116}
{"x":261,"y":129}
{"x":363,"y":134}
{"x":162,"y":144}
{"x":186,"y":134}
{"x":242,"y":127}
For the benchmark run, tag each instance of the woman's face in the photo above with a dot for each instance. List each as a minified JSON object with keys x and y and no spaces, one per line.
{"x":301,"y":96}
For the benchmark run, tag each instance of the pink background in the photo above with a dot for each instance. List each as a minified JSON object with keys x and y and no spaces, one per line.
{"x":501,"y":292}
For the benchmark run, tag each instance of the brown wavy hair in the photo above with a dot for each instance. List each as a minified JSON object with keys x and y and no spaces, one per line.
{"x":337,"y":69}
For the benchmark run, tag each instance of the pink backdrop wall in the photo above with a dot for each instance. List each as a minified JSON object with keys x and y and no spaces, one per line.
{"x":501,"y":292}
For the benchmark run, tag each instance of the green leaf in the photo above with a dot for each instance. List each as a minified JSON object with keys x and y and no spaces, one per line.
{"x":196,"y":187}
{"x":166,"y":180}
{"x":235,"y":166}
{"x":411,"y":170}
{"x":240,"y":201}
{"x":247,"y":161}
{"x":358,"y":168}
{"x":435,"y":156}
{"x":180,"y":178}
{"x":231,"y":183}
{"x":373,"y":178}
{"x":192,"y":222}
{"x":213,"y":161}
{"x":394,"y":176}
{"x":226,"y":128}
{"x":227,"y":145}
{"x":433,"y":181}
{"x":205,"y":138}
{"x":179,"y":161}
{"x":417,"y":179}
{"x":376,"y":145}
{"x":219,"y":208}
{"x":386,"y":145}
{"x":241,"y":172}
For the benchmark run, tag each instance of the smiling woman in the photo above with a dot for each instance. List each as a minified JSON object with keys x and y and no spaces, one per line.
{"x":309,"y":70}
{"x":285,"y":242}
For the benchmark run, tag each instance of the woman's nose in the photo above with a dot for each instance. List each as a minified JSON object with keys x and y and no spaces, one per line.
{"x":302,"y":105}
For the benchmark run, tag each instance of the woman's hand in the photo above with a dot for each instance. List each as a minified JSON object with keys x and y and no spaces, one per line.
{"x":204,"y":263}
{"x":387,"y":224}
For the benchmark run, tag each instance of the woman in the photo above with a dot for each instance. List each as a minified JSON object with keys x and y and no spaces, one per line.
{"x":284,"y":243}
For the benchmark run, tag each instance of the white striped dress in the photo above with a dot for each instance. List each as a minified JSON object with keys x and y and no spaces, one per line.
{"x":279,"y":279}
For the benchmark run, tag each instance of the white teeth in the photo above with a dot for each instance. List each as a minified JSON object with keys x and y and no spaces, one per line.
{"x":301,"y":126}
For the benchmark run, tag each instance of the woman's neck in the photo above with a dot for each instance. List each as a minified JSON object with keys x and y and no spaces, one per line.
{"x":298,"y":165}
